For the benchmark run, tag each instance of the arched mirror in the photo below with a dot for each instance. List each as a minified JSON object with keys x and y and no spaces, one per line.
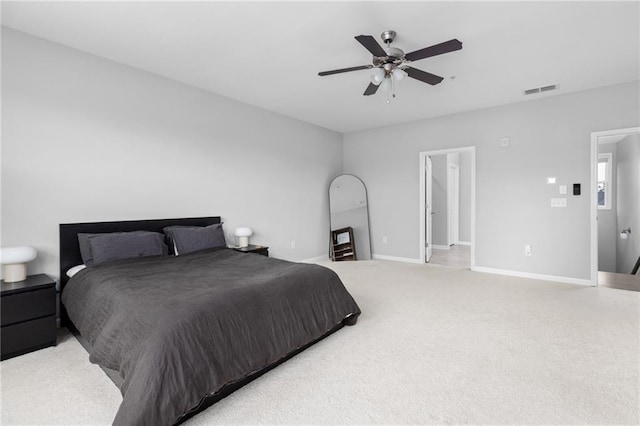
{"x":349,"y":219}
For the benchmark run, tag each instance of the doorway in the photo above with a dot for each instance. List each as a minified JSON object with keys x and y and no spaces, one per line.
{"x":447,"y":222}
{"x":615,"y":208}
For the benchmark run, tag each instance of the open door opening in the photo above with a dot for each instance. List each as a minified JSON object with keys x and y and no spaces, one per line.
{"x":616,"y":208}
{"x":447,"y":207}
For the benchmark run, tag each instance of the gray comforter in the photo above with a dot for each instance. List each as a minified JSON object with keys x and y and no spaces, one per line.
{"x":181,"y":328}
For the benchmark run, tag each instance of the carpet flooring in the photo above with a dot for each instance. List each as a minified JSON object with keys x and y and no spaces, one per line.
{"x":433,"y":345}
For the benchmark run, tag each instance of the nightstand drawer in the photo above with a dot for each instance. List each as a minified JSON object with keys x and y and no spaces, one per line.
{"x":27,"y":305}
{"x":28,"y":336}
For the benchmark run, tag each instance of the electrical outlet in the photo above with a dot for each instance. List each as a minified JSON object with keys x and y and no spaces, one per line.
{"x":293,"y":244}
{"x":527,"y":249}
{"x":385,"y":240}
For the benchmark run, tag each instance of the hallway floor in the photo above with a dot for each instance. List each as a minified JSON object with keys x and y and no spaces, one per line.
{"x":457,"y":256}
{"x":619,"y":281}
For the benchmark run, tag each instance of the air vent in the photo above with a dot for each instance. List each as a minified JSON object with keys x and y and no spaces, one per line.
{"x":540,"y":89}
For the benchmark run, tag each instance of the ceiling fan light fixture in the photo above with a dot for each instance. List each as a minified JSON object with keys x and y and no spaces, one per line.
{"x":386,"y":84}
{"x":377,"y":76}
{"x":399,"y":74}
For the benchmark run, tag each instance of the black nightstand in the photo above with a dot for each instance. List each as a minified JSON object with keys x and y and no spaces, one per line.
{"x":28,"y":315}
{"x":263,"y":250}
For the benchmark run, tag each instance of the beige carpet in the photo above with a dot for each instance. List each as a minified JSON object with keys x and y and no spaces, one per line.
{"x":433,"y":345}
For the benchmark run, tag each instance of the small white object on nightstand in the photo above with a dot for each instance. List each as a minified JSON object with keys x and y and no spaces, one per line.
{"x":243,"y":235}
{"x":14,"y":261}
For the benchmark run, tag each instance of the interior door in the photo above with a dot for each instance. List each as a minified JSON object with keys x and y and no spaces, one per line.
{"x":428,"y":209}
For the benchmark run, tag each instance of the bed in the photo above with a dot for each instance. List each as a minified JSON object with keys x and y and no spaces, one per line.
{"x":182,"y":332}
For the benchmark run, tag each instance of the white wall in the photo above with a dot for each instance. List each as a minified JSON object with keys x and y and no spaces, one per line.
{"x":549,"y":137}
{"x":86,"y":139}
{"x":628,"y":201}
{"x":607,"y":219}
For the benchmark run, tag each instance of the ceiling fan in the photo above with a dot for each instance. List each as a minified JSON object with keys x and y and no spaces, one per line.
{"x":392,"y":64}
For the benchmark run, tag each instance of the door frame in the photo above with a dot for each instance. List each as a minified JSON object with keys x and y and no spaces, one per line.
{"x":594,"y":191}
{"x":422,"y":185}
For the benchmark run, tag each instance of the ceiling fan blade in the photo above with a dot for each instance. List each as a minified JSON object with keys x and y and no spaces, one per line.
{"x":371,"y":45}
{"x":371,"y":89}
{"x":361,"y":67}
{"x":436,"y":49}
{"x":423,"y":76}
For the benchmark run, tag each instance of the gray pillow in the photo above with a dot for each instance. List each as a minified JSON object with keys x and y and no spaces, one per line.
{"x":187,"y":239}
{"x":85,"y":250}
{"x":105,"y":248}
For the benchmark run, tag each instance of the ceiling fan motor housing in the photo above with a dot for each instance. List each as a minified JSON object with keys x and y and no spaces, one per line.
{"x":388,"y":36}
{"x":394,"y":52}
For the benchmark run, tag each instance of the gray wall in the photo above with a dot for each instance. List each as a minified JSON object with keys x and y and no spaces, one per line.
{"x":465,"y":197}
{"x":452,"y":158}
{"x":549,"y":137}
{"x":439,"y":200}
{"x":87,"y":139}
{"x":607,"y":219}
{"x":628,"y":202}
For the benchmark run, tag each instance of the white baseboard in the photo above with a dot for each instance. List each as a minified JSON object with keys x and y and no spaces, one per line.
{"x":531,"y":275}
{"x":395,"y":259}
{"x":464,"y":243}
{"x":436,"y":247}
{"x":315,"y":259}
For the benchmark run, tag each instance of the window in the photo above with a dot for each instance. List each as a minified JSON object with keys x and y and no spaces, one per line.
{"x":604,"y":181}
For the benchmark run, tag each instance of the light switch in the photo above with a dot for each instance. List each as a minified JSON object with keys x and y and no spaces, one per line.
{"x":562,"y":190}
{"x":558,"y":202}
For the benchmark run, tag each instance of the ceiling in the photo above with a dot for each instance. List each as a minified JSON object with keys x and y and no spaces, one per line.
{"x":269,"y":54}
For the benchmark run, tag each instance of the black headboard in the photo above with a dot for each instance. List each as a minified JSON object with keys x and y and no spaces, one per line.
{"x":70,"y":250}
